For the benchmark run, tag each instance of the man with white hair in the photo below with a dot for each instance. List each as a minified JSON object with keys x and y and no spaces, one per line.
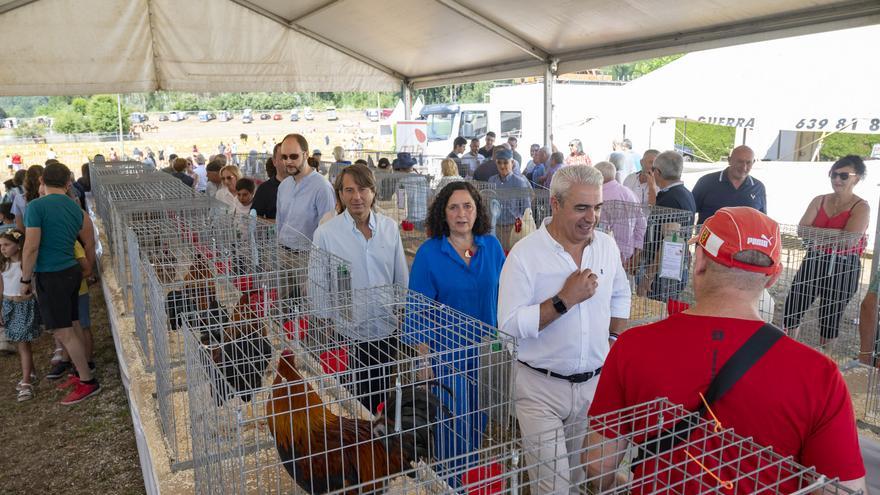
{"x":642,"y":182}
{"x":565,"y":296}
{"x":778,"y":391}
{"x":629,"y":221}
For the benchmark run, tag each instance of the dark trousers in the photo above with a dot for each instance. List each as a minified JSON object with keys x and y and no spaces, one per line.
{"x":833,"y":279}
{"x":373,"y":375}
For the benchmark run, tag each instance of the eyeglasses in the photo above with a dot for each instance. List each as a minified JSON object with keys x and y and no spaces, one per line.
{"x":292,"y":156}
{"x":841,"y":175}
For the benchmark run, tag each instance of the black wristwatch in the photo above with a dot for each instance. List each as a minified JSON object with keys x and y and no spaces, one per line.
{"x":559,"y":305}
{"x":23,"y":281}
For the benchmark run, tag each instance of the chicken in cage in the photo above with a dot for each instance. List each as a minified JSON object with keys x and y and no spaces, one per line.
{"x":312,"y":428}
{"x":202,"y":271}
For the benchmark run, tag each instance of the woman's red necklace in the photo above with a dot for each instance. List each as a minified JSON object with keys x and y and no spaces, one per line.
{"x":468,"y":253}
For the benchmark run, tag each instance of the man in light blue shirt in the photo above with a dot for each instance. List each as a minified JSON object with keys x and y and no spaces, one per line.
{"x":303,"y":197}
{"x":370,"y":242}
{"x":513,"y":194}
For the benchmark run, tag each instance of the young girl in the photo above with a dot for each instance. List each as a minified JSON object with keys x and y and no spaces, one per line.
{"x":19,"y":312}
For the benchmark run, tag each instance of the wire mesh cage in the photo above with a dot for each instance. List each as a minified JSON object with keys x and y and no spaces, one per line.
{"x":816,"y":298}
{"x":128,"y":214}
{"x":113,"y":187}
{"x":820,"y":289}
{"x":345,"y":395}
{"x":646,"y":236}
{"x":405,"y":198}
{"x":252,"y":164}
{"x":601,"y":461}
{"x":207,"y":267}
{"x":512,"y":212}
{"x":147,"y":191}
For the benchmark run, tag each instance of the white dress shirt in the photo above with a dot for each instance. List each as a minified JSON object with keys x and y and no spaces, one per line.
{"x":639,"y":188}
{"x":536,"y":270}
{"x":373,"y":262}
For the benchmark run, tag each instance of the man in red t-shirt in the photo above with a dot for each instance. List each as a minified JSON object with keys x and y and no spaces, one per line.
{"x":792,"y":399}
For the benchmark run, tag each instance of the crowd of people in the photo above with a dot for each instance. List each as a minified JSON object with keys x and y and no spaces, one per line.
{"x":563,"y":291}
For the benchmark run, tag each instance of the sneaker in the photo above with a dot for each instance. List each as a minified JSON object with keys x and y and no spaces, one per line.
{"x":26,"y":392}
{"x":81,"y":392}
{"x":70,"y":382}
{"x":57,"y":356}
{"x":59,"y":370}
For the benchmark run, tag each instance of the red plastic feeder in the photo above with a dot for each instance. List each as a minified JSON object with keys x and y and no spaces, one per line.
{"x":244,"y":283}
{"x":335,"y":360}
{"x":407,"y":226}
{"x":484,"y":480}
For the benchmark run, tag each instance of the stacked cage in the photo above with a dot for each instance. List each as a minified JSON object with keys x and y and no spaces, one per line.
{"x":379,"y":382}
{"x":205,"y":264}
{"x":137,"y":219}
{"x":622,"y":454}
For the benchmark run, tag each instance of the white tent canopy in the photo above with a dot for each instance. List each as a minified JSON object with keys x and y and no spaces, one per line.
{"x":820,"y":82}
{"x":54,"y":47}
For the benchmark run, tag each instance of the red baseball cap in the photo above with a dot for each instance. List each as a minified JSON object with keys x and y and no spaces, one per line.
{"x":735,"y":229}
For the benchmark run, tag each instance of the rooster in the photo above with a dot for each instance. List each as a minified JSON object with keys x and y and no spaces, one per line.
{"x":323,"y":452}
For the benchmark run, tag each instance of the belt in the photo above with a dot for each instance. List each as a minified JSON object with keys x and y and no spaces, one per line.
{"x":576,"y":378}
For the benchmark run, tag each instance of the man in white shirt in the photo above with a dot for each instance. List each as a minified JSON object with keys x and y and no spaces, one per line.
{"x":564,"y":294}
{"x":642,"y":182}
{"x":370,"y":242}
{"x":472,"y":159}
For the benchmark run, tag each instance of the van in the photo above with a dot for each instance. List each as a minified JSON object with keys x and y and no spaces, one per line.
{"x":331,"y":113}
{"x":307,"y":114}
{"x":373,"y":114}
{"x":247,"y":116}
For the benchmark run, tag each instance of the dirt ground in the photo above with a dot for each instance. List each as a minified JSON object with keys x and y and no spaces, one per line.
{"x":87,"y":448}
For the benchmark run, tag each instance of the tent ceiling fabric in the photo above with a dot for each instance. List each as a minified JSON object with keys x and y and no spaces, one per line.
{"x":90,"y":46}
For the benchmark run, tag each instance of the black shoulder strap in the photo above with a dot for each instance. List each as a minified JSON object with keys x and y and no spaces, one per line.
{"x":742,"y":360}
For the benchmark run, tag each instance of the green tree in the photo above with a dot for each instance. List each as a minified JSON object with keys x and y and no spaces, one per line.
{"x":2,"y":113}
{"x":841,"y":144}
{"x":69,"y":121}
{"x":102,"y":115}
{"x":80,"y":105}
{"x":706,"y":141}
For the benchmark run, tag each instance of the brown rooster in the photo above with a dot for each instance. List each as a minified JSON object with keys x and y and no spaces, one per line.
{"x":323,"y":452}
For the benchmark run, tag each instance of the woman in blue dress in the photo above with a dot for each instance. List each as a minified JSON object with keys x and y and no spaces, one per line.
{"x":459,"y":266}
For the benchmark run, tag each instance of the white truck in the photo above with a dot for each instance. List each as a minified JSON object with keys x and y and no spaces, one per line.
{"x":447,"y":121}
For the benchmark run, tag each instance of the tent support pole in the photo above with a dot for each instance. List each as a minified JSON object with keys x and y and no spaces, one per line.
{"x":119,"y":116}
{"x":406,"y":96}
{"x":549,"y":80}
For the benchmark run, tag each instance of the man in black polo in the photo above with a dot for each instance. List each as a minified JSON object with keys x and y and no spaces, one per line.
{"x":266,"y":197}
{"x":458,"y":147}
{"x":733,"y":186}
{"x":486,"y":150}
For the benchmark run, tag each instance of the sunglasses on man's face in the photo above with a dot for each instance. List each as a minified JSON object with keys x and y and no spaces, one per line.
{"x":841,"y":175}
{"x":292,"y":156}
